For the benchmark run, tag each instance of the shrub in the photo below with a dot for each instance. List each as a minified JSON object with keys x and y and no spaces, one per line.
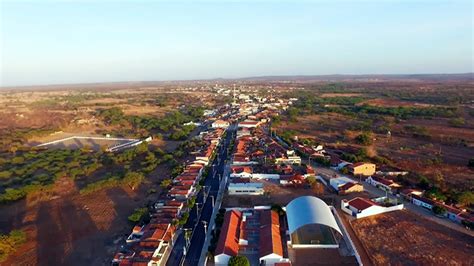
{"x":138,"y":215}
{"x":465,"y":198}
{"x":166,"y":183}
{"x":9,"y":243}
{"x":457,"y":122}
{"x":438,"y":210}
{"x":239,"y":261}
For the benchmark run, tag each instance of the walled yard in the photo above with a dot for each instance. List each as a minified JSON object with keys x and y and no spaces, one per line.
{"x":403,"y":238}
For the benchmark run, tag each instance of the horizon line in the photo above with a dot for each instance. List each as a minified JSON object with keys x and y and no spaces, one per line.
{"x":237,"y":78}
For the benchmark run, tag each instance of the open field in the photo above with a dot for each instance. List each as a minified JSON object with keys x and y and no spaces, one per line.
{"x":79,"y":142}
{"x":276,"y":194}
{"x":403,"y":238}
{"x":65,"y":227}
{"x":440,"y":147}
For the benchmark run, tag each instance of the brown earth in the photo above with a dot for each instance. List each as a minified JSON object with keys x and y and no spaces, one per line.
{"x":66,"y":228}
{"x":403,"y":149}
{"x":404,"y":238}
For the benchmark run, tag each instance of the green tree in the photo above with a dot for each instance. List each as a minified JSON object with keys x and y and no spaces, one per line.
{"x":438,"y":210}
{"x":311,"y":180}
{"x":138,"y":214}
{"x":465,"y":198}
{"x":364,"y":139}
{"x":9,"y":243}
{"x":166,"y":183}
{"x":133,"y":179}
{"x":239,"y":261}
{"x":457,"y":122}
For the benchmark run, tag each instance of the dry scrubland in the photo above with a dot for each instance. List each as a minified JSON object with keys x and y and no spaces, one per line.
{"x":63,"y":225}
{"x":431,"y":125}
{"x":403,"y":238}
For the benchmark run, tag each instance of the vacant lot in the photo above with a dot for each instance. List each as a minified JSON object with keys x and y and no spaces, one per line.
{"x":403,"y":238}
{"x":275,"y":194}
{"x":79,"y":142}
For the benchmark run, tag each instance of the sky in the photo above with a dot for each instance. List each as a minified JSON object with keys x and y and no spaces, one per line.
{"x":56,"y":42}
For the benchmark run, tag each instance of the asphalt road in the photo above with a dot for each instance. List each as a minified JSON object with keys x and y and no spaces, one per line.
{"x":195,"y":221}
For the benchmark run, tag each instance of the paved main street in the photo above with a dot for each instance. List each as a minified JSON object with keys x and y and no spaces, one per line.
{"x":204,"y":202}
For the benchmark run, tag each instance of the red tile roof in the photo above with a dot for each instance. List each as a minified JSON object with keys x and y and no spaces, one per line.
{"x":229,"y":238}
{"x":361,"y":203}
{"x":270,"y":238}
{"x":347,"y":186}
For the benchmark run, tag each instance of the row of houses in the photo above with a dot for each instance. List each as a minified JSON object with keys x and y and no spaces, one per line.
{"x":255,"y":146}
{"x":147,"y":244}
{"x":452,"y":213}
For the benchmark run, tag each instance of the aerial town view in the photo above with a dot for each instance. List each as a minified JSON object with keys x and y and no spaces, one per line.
{"x":153,"y":133}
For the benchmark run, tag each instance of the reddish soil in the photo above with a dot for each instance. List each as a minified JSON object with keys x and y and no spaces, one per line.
{"x":406,"y":151}
{"x":66,"y":228}
{"x":403,"y":238}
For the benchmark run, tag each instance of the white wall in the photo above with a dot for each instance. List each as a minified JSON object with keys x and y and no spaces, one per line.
{"x":222,"y":259}
{"x":266,"y":176}
{"x":373,"y":210}
{"x":271,"y":259}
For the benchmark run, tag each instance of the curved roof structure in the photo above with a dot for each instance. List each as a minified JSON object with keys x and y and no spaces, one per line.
{"x":309,"y":210}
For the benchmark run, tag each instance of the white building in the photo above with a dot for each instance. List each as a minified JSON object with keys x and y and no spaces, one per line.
{"x":340,"y":181}
{"x":220,"y":124}
{"x":360,"y":207}
{"x":246,"y":189}
{"x":311,"y":224}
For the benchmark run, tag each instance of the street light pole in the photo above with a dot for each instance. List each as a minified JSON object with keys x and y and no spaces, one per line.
{"x":186,"y":237}
{"x":197,"y":209}
{"x":212,"y":198}
{"x":205,"y":227}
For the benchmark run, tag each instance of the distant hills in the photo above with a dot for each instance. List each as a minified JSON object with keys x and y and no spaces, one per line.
{"x":382,"y":77}
{"x":460,"y":77}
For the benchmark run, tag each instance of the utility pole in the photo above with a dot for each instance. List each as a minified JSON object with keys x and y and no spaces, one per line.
{"x":204,"y":191}
{"x":197,"y":209}
{"x":205,"y":227}
{"x":212,"y":198}
{"x":186,"y":237}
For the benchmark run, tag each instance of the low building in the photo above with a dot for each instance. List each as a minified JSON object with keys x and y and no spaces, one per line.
{"x":345,"y":185}
{"x":350,"y":187}
{"x":253,"y":231}
{"x":311,"y":224}
{"x":382,"y":183}
{"x":270,"y":245}
{"x":364,"y":169}
{"x":292,"y":180}
{"x":361,"y":207}
{"x":220,"y":124}
{"x":422,"y":202}
{"x":246,"y":188}
{"x":249,"y":124}
{"x":409,"y":192}
{"x":228,"y":243}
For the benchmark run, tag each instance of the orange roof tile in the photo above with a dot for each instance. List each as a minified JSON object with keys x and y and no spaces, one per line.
{"x":270,"y":237}
{"x":229,"y":238}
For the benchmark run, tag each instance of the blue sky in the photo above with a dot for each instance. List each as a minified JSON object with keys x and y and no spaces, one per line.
{"x":51,"y":42}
